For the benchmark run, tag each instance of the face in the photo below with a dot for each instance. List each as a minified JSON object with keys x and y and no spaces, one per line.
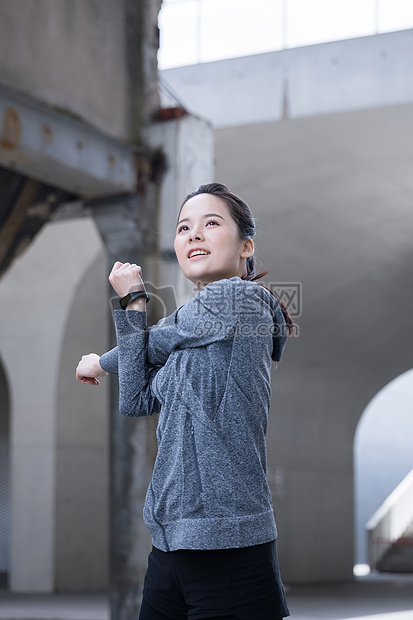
{"x":207,"y":242}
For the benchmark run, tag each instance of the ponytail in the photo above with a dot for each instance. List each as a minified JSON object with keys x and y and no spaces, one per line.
{"x":251,"y":276}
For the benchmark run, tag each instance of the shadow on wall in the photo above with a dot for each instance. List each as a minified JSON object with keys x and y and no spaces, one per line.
{"x":382,"y":452}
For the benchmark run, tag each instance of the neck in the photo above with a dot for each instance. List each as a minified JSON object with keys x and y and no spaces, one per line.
{"x":200,"y":284}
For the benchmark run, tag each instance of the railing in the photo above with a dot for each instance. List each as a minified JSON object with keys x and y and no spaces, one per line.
{"x":390,"y":521}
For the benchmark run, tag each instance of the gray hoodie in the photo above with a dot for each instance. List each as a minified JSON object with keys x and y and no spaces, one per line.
{"x":206,"y":370}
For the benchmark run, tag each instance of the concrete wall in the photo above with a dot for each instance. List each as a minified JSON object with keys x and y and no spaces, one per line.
{"x":38,"y":297}
{"x":328,"y":78}
{"x":327,"y":221}
{"x":89,"y":58}
{"x":318,"y":141}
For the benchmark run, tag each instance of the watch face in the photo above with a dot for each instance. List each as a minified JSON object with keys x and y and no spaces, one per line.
{"x":125,"y":301}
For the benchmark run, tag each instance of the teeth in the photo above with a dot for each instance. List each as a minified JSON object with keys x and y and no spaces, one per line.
{"x":197,"y":252}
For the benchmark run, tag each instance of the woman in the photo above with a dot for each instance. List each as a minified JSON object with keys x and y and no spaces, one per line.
{"x":206,"y":370}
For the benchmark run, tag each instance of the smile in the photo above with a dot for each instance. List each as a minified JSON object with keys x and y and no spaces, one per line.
{"x":198,"y":253}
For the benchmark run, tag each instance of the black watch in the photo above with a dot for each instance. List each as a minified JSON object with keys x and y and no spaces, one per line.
{"x":130,"y":297}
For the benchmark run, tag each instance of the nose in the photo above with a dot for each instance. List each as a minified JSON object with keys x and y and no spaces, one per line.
{"x":195,"y":235}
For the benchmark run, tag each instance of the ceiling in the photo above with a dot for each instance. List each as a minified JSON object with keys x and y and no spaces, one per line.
{"x":333,"y":193}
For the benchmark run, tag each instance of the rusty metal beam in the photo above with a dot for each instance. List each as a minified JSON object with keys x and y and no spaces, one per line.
{"x":11,"y":227}
{"x":29,"y":206}
{"x":49,"y":145}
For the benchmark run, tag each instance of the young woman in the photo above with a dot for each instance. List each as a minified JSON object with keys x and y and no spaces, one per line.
{"x":206,"y":370}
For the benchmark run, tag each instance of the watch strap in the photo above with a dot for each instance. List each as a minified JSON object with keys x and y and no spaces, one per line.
{"x":130,"y":297}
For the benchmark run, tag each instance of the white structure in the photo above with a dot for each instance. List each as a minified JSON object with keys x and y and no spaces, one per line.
{"x":383,"y":453}
{"x":391,"y":520}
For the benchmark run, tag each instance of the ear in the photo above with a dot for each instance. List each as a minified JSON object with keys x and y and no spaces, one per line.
{"x":247,"y":248}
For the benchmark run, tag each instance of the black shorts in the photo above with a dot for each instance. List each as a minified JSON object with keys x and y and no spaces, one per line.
{"x":244,"y":582}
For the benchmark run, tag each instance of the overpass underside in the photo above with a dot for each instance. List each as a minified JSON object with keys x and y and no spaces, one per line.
{"x":319,"y":141}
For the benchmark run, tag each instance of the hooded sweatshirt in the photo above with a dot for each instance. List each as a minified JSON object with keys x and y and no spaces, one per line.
{"x":206,"y":370}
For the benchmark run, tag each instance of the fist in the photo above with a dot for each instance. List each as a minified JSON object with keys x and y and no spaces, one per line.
{"x":88,"y":369}
{"x":125,"y":278}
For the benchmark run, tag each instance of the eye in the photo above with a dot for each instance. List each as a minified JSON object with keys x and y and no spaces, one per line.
{"x":181,"y":228}
{"x":212,"y":222}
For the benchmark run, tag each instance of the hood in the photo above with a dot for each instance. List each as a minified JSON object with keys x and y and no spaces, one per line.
{"x":279,"y":339}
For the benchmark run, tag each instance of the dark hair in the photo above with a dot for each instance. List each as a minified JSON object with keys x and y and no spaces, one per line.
{"x":242,"y":216}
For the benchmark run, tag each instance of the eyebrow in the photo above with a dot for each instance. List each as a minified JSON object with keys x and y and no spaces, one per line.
{"x":186,"y":219}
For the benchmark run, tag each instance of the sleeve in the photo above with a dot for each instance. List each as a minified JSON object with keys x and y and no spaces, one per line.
{"x":220,"y":310}
{"x":208,"y":317}
{"x":203,"y":320}
{"x":136,"y":397}
{"x":109,"y":361}
{"x":141,"y":352}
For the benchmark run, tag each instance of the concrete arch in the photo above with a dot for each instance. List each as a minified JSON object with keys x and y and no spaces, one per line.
{"x":82,"y":443}
{"x":35,"y":298}
{"x":5,"y":475}
{"x":382,"y":452}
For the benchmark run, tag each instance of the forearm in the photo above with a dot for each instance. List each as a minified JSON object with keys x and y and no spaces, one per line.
{"x":126,"y":280}
{"x":135,"y":378}
{"x":109,"y":360}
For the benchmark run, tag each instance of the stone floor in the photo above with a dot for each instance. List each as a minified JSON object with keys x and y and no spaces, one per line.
{"x":376,"y":597}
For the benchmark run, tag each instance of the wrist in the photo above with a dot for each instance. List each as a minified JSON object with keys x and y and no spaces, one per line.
{"x":132,"y":297}
{"x":99,"y":370}
{"x":138,"y":304}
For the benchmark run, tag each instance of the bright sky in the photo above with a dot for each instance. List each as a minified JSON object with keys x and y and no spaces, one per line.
{"x":195,"y":31}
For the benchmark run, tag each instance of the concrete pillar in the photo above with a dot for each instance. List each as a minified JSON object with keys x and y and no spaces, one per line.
{"x":188,"y":146}
{"x":132,"y":440}
{"x":142,"y":230}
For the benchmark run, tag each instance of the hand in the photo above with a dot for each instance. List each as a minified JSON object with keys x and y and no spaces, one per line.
{"x":89,"y":368}
{"x":125,"y":278}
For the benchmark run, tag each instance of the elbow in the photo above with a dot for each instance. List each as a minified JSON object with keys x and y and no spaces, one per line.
{"x":139,"y":403}
{"x":128,"y":409}
{"x":135,"y":408}
{"x":127,"y":412}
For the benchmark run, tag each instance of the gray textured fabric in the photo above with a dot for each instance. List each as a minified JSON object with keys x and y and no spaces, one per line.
{"x":206,"y":370}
